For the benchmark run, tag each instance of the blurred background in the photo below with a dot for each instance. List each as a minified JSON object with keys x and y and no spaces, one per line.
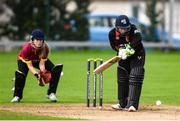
{"x":77,"y":30}
{"x":86,"y":23}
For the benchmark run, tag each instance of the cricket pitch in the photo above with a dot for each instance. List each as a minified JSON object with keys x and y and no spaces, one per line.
{"x":80,"y":111}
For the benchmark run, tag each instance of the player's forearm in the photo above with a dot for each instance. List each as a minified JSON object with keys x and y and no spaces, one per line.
{"x":31,"y":68}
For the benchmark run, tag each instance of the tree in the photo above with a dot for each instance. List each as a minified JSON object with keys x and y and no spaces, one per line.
{"x":75,"y":22}
{"x":6,"y":15}
{"x":81,"y":22}
{"x":152,"y":14}
{"x":29,"y":14}
{"x":52,"y":17}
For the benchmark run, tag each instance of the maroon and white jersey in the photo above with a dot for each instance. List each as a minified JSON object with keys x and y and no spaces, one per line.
{"x":29,"y":53}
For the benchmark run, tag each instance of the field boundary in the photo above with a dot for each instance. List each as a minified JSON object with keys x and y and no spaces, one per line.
{"x":7,"y":45}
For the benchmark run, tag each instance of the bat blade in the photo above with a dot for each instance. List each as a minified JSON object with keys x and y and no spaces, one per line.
{"x":107,"y":64}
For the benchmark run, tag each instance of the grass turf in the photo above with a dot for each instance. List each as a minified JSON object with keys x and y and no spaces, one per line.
{"x":6,"y":115}
{"x":162,"y":78}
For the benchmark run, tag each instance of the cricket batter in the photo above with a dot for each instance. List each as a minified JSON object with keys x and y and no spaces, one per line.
{"x":34,"y":54}
{"x":126,"y":39}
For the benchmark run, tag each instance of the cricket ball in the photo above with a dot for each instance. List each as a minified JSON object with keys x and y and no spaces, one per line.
{"x":158,"y":102}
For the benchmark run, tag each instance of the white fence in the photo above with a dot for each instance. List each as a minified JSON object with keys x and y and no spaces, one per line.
{"x":10,"y":45}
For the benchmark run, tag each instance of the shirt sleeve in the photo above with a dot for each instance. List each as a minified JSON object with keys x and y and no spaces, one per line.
{"x":135,"y":38}
{"x":112,"y":40}
{"x":25,"y":54}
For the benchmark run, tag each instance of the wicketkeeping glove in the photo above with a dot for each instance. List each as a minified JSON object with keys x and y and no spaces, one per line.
{"x":46,"y":76}
{"x":40,"y":79}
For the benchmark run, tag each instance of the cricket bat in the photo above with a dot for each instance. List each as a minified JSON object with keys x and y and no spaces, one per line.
{"x":107,"y":64}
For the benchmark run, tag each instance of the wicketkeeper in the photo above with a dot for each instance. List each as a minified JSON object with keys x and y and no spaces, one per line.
{"x":34,"y":54}
{"x":126,"y":39}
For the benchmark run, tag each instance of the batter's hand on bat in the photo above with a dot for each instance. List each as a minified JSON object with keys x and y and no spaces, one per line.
{"x":126,"y":52}
{"x":122,"y":54}
{"x":130,"y":50}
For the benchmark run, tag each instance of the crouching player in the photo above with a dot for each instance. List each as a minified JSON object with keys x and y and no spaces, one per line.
{"x":34,"y":54}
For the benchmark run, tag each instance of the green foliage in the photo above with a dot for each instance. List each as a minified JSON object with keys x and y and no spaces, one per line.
{"x":152,"y":14}
{"x":76,"y":26}
{"x":28,"y":15}
{"x":52,"y":17}
{"x":161,"y":78}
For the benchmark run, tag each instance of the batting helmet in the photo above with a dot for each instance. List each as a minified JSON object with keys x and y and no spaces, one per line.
{"x":122,"y":21}
{"x":37,"y":34}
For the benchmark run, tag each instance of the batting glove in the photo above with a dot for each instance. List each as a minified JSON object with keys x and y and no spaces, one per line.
{"x":122,"y":54}
{"x":126,"y":52}
{"x":130,"y":50}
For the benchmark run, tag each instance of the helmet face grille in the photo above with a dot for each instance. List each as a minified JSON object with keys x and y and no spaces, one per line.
{"x":122,"y":21}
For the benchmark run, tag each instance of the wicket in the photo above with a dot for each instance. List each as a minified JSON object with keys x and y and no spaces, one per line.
{"x":95,"y":63}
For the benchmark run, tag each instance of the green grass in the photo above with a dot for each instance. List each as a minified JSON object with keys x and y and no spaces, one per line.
{"x":162,"y":78}
{"x":6,"y":115}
